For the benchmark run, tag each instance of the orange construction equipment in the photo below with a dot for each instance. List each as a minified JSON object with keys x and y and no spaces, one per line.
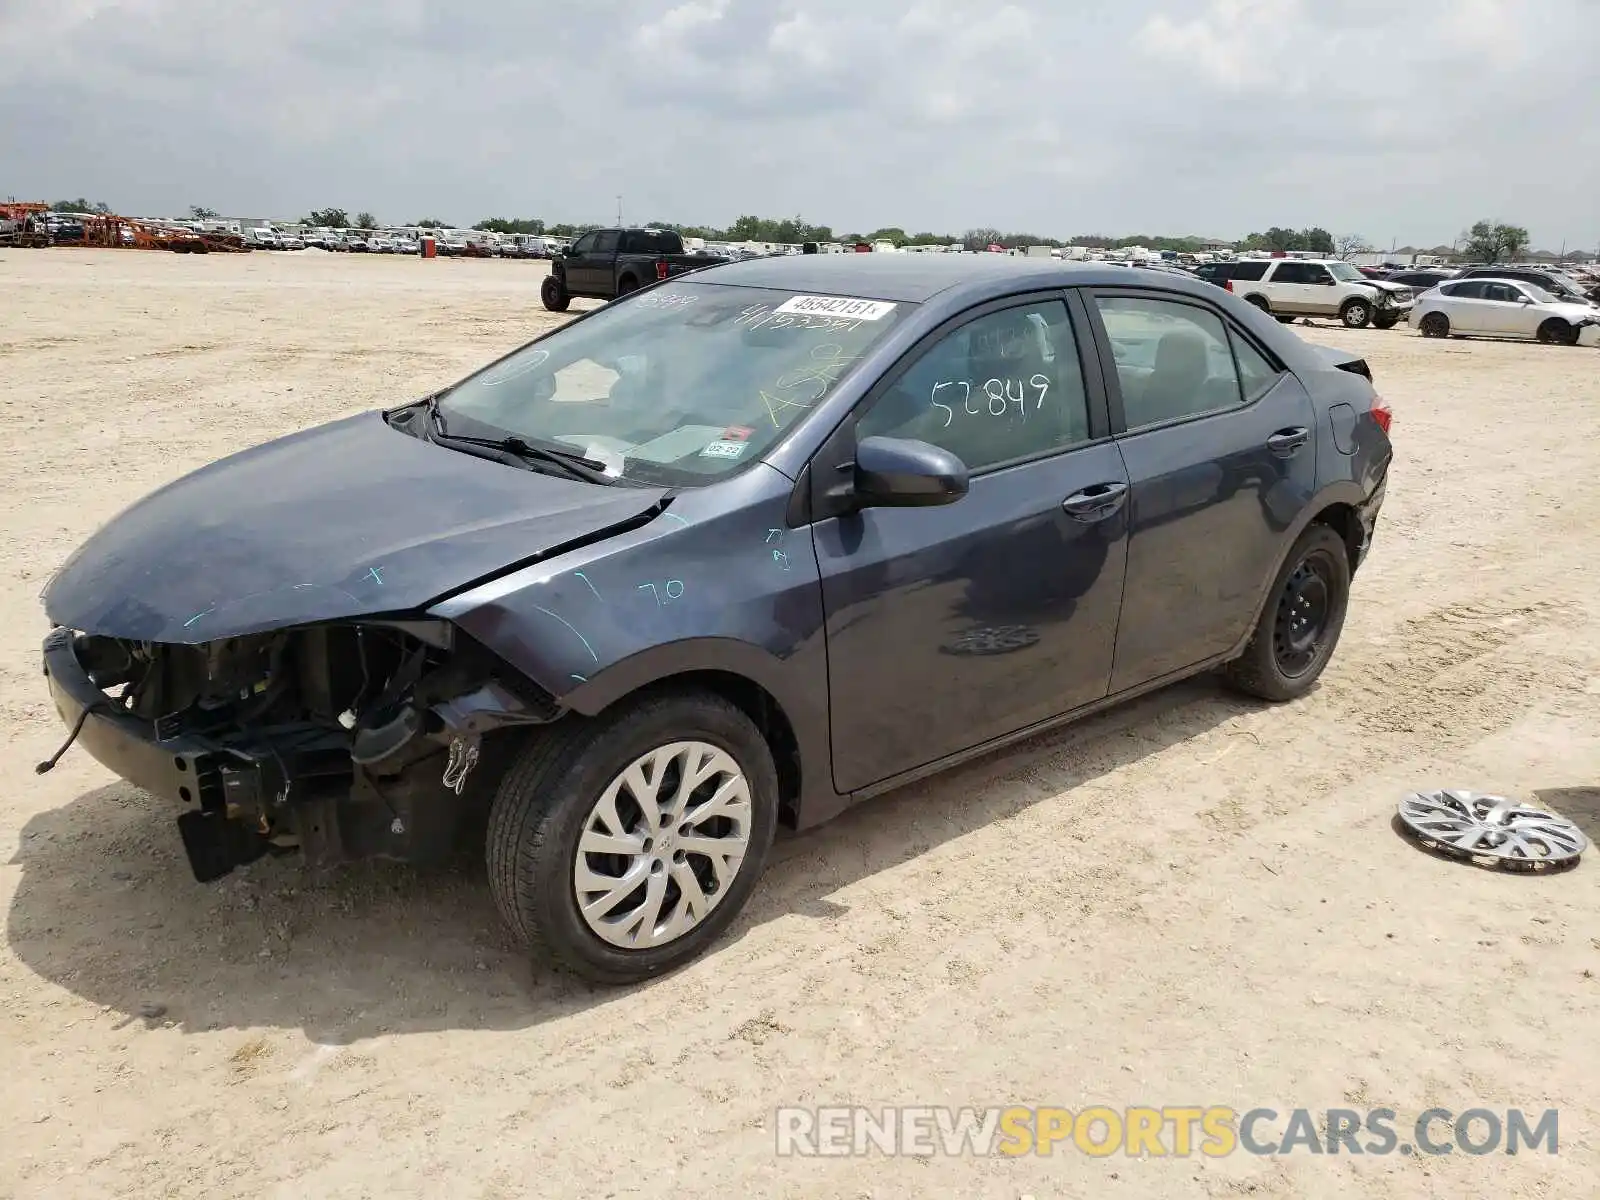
{"x":25,"y":225}
{"x":22,"y":224}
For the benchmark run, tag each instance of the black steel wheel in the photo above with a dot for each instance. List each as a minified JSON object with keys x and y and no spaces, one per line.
{"x":1300,"y":622}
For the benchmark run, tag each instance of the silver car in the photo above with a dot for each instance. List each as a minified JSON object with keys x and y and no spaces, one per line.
{"x":1504,"y":308}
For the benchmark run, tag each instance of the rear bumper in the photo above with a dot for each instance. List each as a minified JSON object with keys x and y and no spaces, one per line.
{"x":1367,"y":514}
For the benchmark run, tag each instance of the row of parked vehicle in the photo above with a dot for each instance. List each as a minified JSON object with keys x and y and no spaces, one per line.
{"x":1483,"y":299}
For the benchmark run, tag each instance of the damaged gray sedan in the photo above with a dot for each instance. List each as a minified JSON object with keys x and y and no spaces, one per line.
{"x":736,"y":551}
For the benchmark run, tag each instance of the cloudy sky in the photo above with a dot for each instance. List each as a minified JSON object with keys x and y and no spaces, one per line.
{"x":1396,"y":119}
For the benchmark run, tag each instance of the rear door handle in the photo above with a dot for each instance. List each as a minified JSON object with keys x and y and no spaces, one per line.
{"x":1097,"y":502}
{"x":1286,"y":441}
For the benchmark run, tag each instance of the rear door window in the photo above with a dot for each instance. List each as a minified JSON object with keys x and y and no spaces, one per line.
{"x":1173,"y":360}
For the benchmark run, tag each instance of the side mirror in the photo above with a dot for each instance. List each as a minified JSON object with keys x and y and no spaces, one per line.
{"x":906,"y":473}
{"x":1524,"y":299}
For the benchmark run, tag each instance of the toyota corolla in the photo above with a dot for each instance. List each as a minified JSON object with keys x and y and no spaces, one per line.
{"x":734,"y":552}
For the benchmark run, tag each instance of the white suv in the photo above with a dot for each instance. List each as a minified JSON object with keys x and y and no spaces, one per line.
{"x":1290,"y":288}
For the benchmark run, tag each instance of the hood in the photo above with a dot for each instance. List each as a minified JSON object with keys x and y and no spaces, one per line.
{"x":1575,"y":310}
{"x":1383,"y":285}
{"x":348,"y":519}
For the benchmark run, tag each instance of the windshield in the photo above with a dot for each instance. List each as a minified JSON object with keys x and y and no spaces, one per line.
{"x":1345,"y":272}
{"x":678,"y":385}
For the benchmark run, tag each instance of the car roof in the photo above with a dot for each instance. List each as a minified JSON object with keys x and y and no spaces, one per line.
{"x":915,"y":278}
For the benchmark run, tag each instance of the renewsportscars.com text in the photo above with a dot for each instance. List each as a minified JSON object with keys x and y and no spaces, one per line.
{"x":1178,"y":1131}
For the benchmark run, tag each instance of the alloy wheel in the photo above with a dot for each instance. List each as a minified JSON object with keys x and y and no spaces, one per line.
{"x":662,"y":845}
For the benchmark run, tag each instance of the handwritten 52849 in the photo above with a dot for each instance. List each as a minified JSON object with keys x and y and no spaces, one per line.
{"x":993,"y":398}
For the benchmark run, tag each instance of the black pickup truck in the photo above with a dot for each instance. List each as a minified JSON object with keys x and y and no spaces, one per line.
{"x":606,"y":263}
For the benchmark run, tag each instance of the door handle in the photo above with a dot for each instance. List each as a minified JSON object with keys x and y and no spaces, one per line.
{"x":1097,"y":502}
{"x":1286,"y":441}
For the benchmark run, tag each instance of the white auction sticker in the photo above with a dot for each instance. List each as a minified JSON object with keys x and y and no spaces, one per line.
{"x":837,"y":306}
{"x":724,"y":450}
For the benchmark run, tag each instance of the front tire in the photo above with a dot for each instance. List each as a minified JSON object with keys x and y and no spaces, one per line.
{"x":1386,"y":320}
{"x":554,"y":294}
{"x":1356,"y":314}
{"x":1300,"y":624}
{"x":1556,"y":332}
{"x":599,"y":851}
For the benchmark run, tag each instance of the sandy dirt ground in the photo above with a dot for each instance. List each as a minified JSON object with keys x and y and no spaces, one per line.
{"x":1192,"y":900}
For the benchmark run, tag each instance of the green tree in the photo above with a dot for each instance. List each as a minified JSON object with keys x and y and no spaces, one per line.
{"x":365,"y":220}
{"x":432,"y":223}
{"x":892,"y":233}
{"x":531,"y":225}
{"x":328,"y":218}
{"x":785,"y":230}
{"x":1317,"y":240}
{"x":80,"y":205}
{"x":1490,"y":241}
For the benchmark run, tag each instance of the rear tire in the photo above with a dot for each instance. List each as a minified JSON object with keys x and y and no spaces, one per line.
{"x":554,"y":294}
{"x":1299,"y":626}
{"x":1435,"y":325}
{"x":550,"y":806}
{"x":1556,"y":332}
{"x":1283,"y":320}
{"x":625,"y":285}
{"x":1356,"y":314}
{"x":1260,"y":302}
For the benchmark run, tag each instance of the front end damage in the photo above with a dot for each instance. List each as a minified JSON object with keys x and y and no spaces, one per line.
{"x":346,"y":740}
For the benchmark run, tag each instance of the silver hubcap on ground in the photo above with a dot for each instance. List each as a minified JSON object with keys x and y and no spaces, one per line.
{"x":662,"y":845}
{"x":1474,"y":825}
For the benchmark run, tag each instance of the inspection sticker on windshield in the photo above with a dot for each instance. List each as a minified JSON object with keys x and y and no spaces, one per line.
{"x":724,"y":450}
{"x":837,"y":306}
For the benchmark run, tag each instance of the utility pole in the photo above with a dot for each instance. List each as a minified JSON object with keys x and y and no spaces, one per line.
{"x":619,"y":212}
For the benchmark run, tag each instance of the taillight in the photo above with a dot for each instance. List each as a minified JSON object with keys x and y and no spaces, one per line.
{"x":1227,"y":285}
{"x":1381,"y":413}
{"x":661,"y":270}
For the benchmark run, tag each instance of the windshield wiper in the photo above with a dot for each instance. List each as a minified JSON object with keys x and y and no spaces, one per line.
{"x":573,"y":463}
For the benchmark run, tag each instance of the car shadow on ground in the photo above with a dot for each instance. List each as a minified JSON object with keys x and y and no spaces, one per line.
{"x":106,"y":906}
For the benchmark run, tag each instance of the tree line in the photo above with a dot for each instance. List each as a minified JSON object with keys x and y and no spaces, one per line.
{"x":1486,"y":241}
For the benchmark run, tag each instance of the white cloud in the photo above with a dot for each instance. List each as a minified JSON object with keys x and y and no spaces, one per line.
{"x":1206,"y":116}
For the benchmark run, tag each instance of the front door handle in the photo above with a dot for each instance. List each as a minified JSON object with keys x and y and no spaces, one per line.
{"x":1096,"y":503}
{"x":1286,"y":441}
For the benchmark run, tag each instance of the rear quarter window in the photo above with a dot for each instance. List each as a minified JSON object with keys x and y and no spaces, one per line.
{"x":1252,"y":271}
